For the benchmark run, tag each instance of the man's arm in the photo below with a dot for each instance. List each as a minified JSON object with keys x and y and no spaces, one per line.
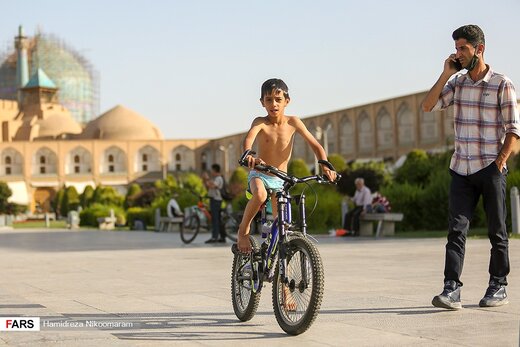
{"x":505,"y":152}
{"x":433,"y":95}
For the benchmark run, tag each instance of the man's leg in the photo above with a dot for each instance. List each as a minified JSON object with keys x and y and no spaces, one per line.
{"x":494,"y":197}
{"x":356,"y":213}
{"x":462,"y":202}
{"x":215,"y":206}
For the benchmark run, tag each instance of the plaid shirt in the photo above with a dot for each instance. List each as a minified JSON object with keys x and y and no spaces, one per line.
{"x":485,"y":111}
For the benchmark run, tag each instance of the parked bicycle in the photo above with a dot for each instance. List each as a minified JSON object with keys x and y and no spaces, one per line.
{"x":286,"y":257}
{"x":198,"y":217}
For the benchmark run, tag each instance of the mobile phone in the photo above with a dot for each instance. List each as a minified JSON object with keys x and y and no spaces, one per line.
{"x":457,"y":64}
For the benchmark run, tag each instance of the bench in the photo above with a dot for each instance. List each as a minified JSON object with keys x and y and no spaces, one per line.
{"x":167,"y":223}
{"x":385,"y":223}
{"x":107,"y":223}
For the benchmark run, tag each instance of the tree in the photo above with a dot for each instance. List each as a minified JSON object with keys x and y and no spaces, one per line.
{"x":5,"y":193}
{"x":87,"y":196}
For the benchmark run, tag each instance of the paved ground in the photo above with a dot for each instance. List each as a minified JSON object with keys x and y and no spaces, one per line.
{"x":147,"y":289}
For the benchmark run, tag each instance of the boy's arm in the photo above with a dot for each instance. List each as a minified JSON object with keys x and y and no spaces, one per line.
{"x":318,"y":149}
{"x":250,"y":139}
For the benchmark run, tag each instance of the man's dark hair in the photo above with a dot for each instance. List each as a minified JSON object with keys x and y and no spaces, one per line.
{"x":274,"y":84}
{"x":472,"y":33}
{"x":216,"y":168}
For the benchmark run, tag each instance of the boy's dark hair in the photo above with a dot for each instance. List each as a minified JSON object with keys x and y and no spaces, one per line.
{"x":274,"y":84}
{"x":216,"y":168}
{"x":472,"y":33}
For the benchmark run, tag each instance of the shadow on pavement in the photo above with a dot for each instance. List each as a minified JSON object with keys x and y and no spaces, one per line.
{"x":95,"y":240}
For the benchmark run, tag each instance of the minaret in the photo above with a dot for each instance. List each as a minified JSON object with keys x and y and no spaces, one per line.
{"x":22,"y":65}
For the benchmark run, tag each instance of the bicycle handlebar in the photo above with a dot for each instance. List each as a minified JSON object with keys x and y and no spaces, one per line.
{"x":292,"y":180}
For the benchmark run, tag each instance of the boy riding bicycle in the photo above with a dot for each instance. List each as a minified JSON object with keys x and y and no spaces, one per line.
{"x":275,"y":133}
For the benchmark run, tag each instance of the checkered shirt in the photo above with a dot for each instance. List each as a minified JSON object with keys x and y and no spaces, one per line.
{"x":485,"y":111}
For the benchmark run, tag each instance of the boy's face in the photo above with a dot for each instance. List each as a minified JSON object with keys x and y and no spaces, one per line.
{"x":275,"y":103}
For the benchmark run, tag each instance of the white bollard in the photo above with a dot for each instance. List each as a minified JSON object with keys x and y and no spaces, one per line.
{"x":515,"y":210}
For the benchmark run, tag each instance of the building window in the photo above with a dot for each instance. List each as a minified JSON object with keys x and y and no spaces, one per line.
{"x":76,"y":159}
{"x":42,"y":169}
{"x":145,"y":157}
{"x":8,"y":170}
{"x":76,"y":169}
{"x":8,"y":160}
{"x":42,"y":159}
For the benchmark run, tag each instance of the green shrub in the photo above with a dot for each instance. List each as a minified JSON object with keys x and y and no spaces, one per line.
{"x":416,"y":169}
{"x":146,"y":214}
{"x":433,"y":201}
{"x":405,"y":198}
{"x":107,"y":195}
{"x":298,"y":168}
{"x":89,"y":216}
{"x":5,"y":193}
{"x":132,"y":194}
{"x":87,"y":196}
{"x":338,"y":162}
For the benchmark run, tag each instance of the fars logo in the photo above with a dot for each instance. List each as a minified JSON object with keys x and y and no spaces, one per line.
{"x":19,"y":323}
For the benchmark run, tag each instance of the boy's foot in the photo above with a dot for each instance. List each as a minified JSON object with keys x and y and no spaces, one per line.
{"x":495,"y":296}
{"x":211,"y":240}
{"x":288,"y":300}
{"x":222,"y":240}
{"x":449,"y":298}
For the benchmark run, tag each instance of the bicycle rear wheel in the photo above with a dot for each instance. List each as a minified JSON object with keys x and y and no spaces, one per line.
{"x":296,"y":303}
{"x":190,"y":229}
{"x":244,"y":296}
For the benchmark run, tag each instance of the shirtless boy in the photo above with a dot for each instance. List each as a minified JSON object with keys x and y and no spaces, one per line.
{"x":275,"y":134}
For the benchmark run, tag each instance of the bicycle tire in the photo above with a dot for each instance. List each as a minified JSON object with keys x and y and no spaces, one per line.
{"x":305,"y":292}
{"x":191,"y":229}
{"x":245,"y":300}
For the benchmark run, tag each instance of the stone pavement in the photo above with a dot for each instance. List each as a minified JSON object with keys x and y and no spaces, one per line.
{"x":148,"y":289}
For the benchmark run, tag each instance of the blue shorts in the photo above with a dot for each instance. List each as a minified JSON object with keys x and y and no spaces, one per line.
{"x":270,"y":182}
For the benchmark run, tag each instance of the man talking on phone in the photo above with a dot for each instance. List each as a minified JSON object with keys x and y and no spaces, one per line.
{"x":486,"y":129}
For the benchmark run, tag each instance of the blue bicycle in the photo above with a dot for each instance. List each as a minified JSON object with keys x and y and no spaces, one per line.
{"x":286,"y":257}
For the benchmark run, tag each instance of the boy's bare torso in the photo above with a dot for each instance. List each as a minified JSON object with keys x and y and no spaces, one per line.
{"x":275,"y":140}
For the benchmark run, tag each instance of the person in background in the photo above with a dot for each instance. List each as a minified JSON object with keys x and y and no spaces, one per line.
{"x":214,"y":184}
{"x":363,"y":203}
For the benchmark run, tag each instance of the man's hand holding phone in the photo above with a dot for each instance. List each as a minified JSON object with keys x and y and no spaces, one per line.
{"x":452,"y":64}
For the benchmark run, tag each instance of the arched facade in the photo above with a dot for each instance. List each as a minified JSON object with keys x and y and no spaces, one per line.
{"x":114,"y":161}
{"x":147,"y":160}
{"x":12,"y":163}
{"x":44,"y":162}
{"x":78,"y":161}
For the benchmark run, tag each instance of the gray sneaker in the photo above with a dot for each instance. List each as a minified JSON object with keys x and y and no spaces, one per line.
{"x":449,"y":298}
{"x":495,"y":296}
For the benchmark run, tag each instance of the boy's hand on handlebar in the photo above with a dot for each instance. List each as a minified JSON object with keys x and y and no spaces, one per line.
{"x":252,"y":161}
{"x":330,"y":174}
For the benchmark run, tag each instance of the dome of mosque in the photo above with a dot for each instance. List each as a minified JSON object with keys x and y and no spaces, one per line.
{"x":71,"y":72}
{"x":55,"y":126}
{"x":121,"y":123}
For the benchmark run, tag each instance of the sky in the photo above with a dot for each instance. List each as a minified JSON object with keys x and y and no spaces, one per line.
{"x":194,"y":68}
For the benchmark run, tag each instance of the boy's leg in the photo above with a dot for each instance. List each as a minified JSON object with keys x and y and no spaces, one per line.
{"x":259,"y":195}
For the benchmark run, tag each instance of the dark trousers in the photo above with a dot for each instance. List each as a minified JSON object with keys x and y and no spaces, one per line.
{"x":214,"y":207}
{"x":465,"y":192}
{"x":352,"y":219}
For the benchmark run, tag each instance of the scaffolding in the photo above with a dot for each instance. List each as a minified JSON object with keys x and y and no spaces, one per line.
{"x":73,"y":74}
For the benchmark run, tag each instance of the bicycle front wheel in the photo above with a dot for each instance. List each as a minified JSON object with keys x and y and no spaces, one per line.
{"x":296,"y":303}
{"x":244,"y":285}
{"x":190,"y":229}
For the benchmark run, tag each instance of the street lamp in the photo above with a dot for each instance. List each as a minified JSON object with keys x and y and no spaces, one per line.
{"x":225,"y":151}
{"x":322,"y":133}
